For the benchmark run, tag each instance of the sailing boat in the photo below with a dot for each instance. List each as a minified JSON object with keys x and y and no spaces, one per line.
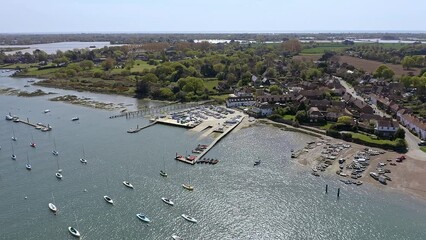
{"x":13,"y":152}
{"x":52,"y":206}
{"x":127,"y":183}
{"x":58,"y":173}
{"x":163,"y":173}
{"x":83,"y":160}
{"x":73,"y":230}
{"x":32,"y":144}
{"x":54,"y":152}
{"x":106,"y":198}
{"x":188,"y":186}
{"x":14,"y":137}
{"x":28,"y":165}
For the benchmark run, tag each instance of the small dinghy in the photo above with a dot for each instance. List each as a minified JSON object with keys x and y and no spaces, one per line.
{"x":82,"y":160}
{"x":54,"y":152}
{"x":58,"y":175}
{"x":28,"y":166}
{"x":163,"y":174}
{"x":13,"y":157}
{"x":75,"y":119}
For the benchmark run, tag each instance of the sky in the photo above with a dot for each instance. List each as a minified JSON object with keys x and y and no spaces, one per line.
{"x":207,"y":16}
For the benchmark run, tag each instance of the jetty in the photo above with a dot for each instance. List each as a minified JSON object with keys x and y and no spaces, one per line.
{"x":192,"y":159}
{"x":38,"y":126}
{"x":138,"y":129}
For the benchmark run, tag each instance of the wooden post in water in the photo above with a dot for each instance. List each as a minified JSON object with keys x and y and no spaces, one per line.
{"x":338,"y":192}
{"x":326,"y":188}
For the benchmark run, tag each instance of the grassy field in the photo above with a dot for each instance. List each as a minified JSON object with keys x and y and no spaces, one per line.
{"x":423,"y":149}
{"x":323,"y":47}
{"x":220,"y":98}
{"x":140,"y":66}
{"x":289,"y":117}
{"x":327,"y":126}
{"x":211,"y":84}
{"x":369,"y":139}
{"x":371,"y":66}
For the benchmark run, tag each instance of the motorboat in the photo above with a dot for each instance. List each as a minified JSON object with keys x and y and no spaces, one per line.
{"x":74,"y":232}
{"x":32,"y":144}
{"x":28,"y":166}
{"x":14,"y":138}
{"x":9,"y":117}
{"x":163,"y":174}
{"x":52,"y":207}
{"x":188,"y":218}
{"x":188,"y":187}
{"x":13,"y":157}
{"x":127,"y":184}
{"x":75,"y":119}
{"x":58,"y":175}
{"x":167,"y":201}
{"x":82,"y":160}
{"x":108,"y":200}
{"x":176,"y":237}
{"x":143,"y":217}
{"x":46,"y":111}
{"x":54,"y":152}
{"x":256,"y":163}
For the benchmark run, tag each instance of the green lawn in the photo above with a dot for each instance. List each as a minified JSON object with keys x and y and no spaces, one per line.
{"x":140,"y":65}
{"x":423,"y":149}
{"x":369,"y":139}
{"x":210,"y":84}
{"x":323,"y":47}
{"x":326,"y":126}
{"x":221,"y":98}
{"x":288,"y":117}
{"x":21,"y":65}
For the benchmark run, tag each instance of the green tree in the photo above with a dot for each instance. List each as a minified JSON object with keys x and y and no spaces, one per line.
{"x":275,"y":90}
{"x":86,"y":64}
{"x":407,"y":62}
{"x":384,"y":72}
{"x":400,"y":133}
{"x":346,"y":120}
{"x":301,"y":116}
{"x":150,"y":77}
{"x":191,"y":84}
{"x":108,"y":64}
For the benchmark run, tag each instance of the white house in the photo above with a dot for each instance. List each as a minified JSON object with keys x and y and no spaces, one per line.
{"x":386,"y":127}
{"x":414,"y":124}
{"x":240,"y":101}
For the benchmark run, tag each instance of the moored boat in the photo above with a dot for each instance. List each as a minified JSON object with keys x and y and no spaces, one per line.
{"x":54,"y":152}
{"x":128,"y":184}
{"x":9,"y":117}
{"x":176,"y":237}
{"x":82,"y":160}
{"x":28,"y":166}
{"x":168,"y":201}
{"x":108,"y":200}
{"x":75,"y":119}
{"x":58,"y":175}
{"x":74,"y":232}
{"x":46,"y":111}
{"x":189,"y":218}
{"x":143,"y":217}
{"x":52,"y":207}
{"x":13,"y":157}
{"x":256,"y":163}
{"x":163,"y":174}
{"x":188,"y":187}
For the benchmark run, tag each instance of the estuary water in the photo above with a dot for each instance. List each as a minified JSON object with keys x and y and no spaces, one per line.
{"x":278,"y":199}
{"x":63,"y":46}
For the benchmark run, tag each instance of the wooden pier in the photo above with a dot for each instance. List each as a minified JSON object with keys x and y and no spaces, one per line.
{"x":138,"y":129}
{"x":44,"y":128}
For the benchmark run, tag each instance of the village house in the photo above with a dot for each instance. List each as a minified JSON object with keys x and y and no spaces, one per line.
{"x":263,"y":109}
{"x":283,"y":98}
{"x":315,"y":115}
{"x":386,"y":127}
{"x":235,"y":101}
{"x":414,"y":124}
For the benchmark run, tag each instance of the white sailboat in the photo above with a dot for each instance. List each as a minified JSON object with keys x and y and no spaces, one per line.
{"x":52,"y":206}
{"x":73,"y":230}
{"x":55,"y":152}
{"x":189,"y":218}
{"x":188,"y":186}
{"x":28,"y":165}
{"x":107,"y":198}
{"x":163,"y":172}
{"x":83,"y":159}
{"x":13,"y":152}
{"x":14,"y":137}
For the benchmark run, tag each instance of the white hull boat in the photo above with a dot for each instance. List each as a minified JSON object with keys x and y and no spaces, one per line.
{"x":188,"y":187}
{"x":188,"y":218}
{"x":127,"y":184}
{"x":28,"y":166}
{"x":143,"y":218}
{"x":82,"y":160}
{"x":167,"y":201}
{"x":58,"y":175}
{"x":74,"y":232}
{"x":52,"y":207}
{"x":108,"y":200}
{"x":176,"y":237}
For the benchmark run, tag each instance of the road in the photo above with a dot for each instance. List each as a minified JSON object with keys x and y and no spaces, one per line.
{"x":412,"y":141}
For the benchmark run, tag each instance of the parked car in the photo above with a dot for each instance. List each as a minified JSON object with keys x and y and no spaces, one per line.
{"x":422,"y":143}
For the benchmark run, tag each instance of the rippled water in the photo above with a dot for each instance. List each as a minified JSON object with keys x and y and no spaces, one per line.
{"x":53,"y":47}
{"x":232,"y":200}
